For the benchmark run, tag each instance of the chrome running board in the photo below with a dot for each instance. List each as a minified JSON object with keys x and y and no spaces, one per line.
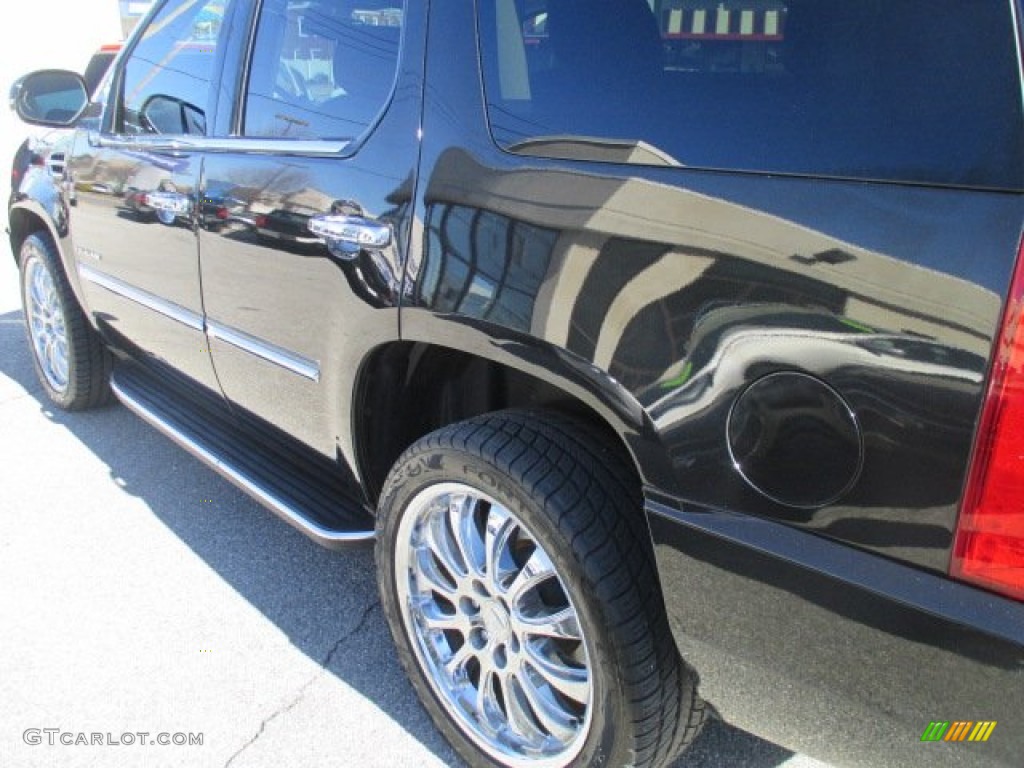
{"x":318,"y":508}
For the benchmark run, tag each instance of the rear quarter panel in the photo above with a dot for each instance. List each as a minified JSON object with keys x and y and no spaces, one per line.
{"x":660,"y":296}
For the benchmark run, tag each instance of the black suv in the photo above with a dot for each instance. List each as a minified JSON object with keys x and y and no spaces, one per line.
{"x":670,"y":351}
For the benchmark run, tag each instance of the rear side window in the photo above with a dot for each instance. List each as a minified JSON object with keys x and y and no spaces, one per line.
{"x":924,"y":91}
{"x":321,"y":69}
{"x":166,"y":80}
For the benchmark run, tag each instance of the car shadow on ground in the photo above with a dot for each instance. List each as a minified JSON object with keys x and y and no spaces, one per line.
{"x":324,"y":602}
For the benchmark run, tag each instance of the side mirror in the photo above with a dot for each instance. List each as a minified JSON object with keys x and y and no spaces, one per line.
{"x":51,"y":97}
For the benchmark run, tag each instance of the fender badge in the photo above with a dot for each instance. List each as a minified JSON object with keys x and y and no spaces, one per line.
{"x":86,"y":253}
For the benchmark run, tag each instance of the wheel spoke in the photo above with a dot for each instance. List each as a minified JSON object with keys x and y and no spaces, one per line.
{"x":38,"y":288}
{"x":519,"y":713}
{"x":465,"y":536}
{"x":456,"y":665}
{"x":438,"y":538}
{"x":486,"y":702}
{"x":535,"y":571}
{"x":436,"y":620}
{"x":39,"y":342}
{"x":562,"y":625}
{"x":429,"y":576}
{"x":573,"y":682}
{"x":549,"y":713}
{"x":500,"y":526}
{"x":51,"y":354}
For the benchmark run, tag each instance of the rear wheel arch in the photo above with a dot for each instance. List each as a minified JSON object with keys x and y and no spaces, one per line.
{"x":405,"y":390}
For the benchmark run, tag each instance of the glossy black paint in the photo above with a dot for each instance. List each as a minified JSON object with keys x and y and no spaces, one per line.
{"x":654,"y":298}
{"x":680,"y":288}
{"x":125,"y":225}
{"x":36,"y":196}
{"x":864,"y":652}
{"x":266,"y":274}
{"x":658,"y":296}
{"x":242,"y":232}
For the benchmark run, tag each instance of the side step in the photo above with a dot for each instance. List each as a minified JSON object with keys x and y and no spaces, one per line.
{"x":307,"y":492}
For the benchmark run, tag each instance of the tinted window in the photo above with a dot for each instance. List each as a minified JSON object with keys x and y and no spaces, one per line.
{"x":321,"y":70}
{"x":166,"y":83}
{"x":910,"y":90}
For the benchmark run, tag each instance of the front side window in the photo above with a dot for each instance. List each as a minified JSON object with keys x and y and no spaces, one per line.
{"x":321,"y":69}
{"x":166,"y":81}
{"x":924,"y":91}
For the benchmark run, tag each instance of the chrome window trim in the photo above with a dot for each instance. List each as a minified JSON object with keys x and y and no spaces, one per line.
{"x":306,"y":147}
{"x":144,"y":298}
{"x":303,"y":366}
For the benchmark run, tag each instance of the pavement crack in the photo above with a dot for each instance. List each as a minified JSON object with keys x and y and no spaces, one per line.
{"x":326,"y":663}
{"x":301,"y":693}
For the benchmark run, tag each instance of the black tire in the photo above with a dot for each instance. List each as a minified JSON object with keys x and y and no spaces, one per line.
{"x":82,"y":380}
{"x":580,"y":502}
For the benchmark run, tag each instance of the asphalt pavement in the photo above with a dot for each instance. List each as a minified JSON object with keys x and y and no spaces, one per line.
{"x":142,"y":594}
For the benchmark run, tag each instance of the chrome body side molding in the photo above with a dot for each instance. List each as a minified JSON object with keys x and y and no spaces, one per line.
{"x":146,"y":299}
{"x":303,"y":366}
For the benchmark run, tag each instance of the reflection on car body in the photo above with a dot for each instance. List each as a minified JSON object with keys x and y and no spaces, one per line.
{"x":707,"y":392}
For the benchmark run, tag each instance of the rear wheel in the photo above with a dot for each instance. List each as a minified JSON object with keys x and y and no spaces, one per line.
{"x":517,"y":578}
{"x":70,"y":360}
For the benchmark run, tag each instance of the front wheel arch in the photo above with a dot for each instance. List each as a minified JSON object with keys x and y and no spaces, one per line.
{"x":25,"y":221}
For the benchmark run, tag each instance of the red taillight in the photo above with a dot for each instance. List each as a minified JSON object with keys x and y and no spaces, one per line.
{"x":989,"y":546}
{"x":260,"y":221}
{"x":222,"y":214}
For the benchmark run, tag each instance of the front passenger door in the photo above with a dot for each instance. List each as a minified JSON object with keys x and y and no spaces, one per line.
{"x":136,"y":190}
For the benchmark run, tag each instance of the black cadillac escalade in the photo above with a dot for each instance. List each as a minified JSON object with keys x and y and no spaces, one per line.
{"x":670,"y":351}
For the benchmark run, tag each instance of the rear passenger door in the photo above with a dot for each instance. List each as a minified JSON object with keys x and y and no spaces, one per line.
{"x":306,"y":208}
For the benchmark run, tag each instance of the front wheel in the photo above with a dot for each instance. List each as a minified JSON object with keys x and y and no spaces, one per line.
{"x":70,"y":360}
{"x":518,"y":582}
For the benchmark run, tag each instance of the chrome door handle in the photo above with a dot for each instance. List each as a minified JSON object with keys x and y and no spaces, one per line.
{"x":352,"y":231}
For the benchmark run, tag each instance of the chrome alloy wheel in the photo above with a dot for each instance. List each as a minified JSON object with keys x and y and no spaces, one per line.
{"x":46,"y":324}
{"x":493,"y":627}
